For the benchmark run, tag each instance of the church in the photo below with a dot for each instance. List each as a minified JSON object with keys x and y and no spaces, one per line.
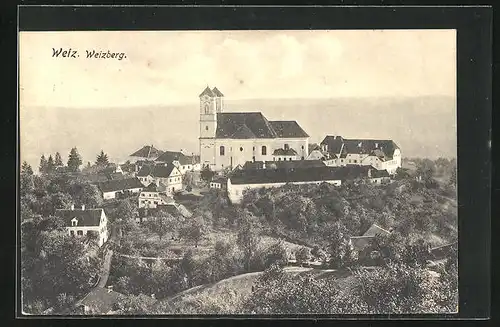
{"x":229,"y":139}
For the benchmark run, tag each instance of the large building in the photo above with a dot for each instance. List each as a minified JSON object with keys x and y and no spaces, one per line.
{"x":228,"y":139}
{"x":380,"y":154}
{"x":256,"y":178}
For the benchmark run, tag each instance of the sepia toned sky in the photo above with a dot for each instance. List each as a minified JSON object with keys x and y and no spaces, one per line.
{"x":168,"y":67}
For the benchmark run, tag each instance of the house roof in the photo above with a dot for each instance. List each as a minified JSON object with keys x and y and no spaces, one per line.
{"x":101,"y":300}
{"x":154,"y":188}
{"x":384,"y":149}
{"x":288,"y":128}
{"x":220,"y":180}
{"x":147,"y":151}
{"x":162,"y":171}
{"x":87,"y":217}
{"x":289,"y":164}
{"x":170,"y":156}
{"x":284,"y":152}
{"x":208,"y":92}
{"x":360,"y":242}
{"x":379,"y":173}
{"x":216,"y":92}
{"x":246,"y":125}
{"x":287,"y":175}
{"x":120,"y":184}
{"x":375,"y":230}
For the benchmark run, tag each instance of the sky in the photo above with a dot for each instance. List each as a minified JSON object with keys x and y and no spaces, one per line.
{"x":66,"y":102}
{"x":172,"y":67}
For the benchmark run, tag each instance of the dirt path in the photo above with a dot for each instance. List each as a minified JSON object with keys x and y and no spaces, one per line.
{"x":106,"y":268}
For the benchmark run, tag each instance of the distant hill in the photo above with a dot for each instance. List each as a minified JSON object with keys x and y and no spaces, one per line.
{"x":422,"y":127}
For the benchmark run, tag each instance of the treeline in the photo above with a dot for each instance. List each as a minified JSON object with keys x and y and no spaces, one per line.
{"x":52,"y":164}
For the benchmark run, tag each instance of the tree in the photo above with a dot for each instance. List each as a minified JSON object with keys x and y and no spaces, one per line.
{"x":302,"y":255}
{"x":43,"y":165}
{"x":188,"y":266}
{"x":247,"y":241}
{"x":26,"y":169}
{"x":50,"y":165}
{"x":26,"y":180}
{"x":58,"y":161}
{"x":188,"y":181}
{"x":74,"y":160}
{"x":85,"y":193}
{"x":195,"y":230}
{"x":102,"y":159}
{"x":207,"y":174}
{"x":162,"y":224}
{"x":276,"y":254}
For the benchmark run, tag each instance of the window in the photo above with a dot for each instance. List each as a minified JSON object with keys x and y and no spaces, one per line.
{"x":206,"y":128}
{"x":72,"y":233}
{"x":222,"y":150}
{"x":286,"y":146}
{"x":290,"y":159}
{"x":207,"y":110}
{"x":253,"y":149}
{"x":170,"y":180}
{"x":241,"y":149}
{"x":302,"y":147}
{"x":79,"y":233}
{"x":279,"y":159}
{"x":355,"y":161}
{"x":264,"y":150}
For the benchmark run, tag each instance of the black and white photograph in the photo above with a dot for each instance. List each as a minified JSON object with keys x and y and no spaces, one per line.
{"x":238,"y":172}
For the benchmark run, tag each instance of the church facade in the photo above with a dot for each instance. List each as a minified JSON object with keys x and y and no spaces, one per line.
{"x":228,"y":139}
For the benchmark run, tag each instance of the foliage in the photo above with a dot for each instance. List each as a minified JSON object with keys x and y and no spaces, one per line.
{"x":248,"y":241}
{"x":102,"y":159}
{"x":74,"y":160}
{"x":302,"y":255}
{"x":162,"y":224}
{"x":207,"y":174}
{"x":194,"y":230}
{"x":58,"y":160}
{"x":42,"y":168}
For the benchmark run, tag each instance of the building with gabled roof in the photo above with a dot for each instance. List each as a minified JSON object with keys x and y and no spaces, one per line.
{"x":229,"y":139}
{"x":182,"y":161}
{"x":166,"y":174}
{"x":381,"y":154}
{"x":121,"y":187}
{"x":80,"y":222}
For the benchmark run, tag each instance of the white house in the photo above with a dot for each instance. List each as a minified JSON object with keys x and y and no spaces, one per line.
{"x":166,"y":174}
{"x":154,"y":195}
{"x":228,"y":139}
{"x":380,"y":154}
{"x":218,"y":183}
{"x":285,"y":154}
{"x":81,"y":221}
{"x":117,"y":188}
{"x":183,"y":162}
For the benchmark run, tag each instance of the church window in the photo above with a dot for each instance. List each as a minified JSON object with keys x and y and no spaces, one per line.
{"x":302,"y":147}
{"x":207,"y":110}
{"x":80,"y":233}
{"x":241,"y":149}
{"x":206,"y":128}
{"x":253,"y":149}
{"x":222,"y":150}
{"x":264,"y":150}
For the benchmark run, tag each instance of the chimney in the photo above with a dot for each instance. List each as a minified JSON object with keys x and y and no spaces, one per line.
{"x":72,"y":207}
{"x":376,"y":145}
{"x":83,"y":206}
{"x":263,"y":165}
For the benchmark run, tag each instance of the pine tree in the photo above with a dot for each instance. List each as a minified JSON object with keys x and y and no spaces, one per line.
{"x":26,"y":169}
{"x":50,"y":165}
{"x":102,"y":159}
{"x":43,"y":165}
{"x":58,"y":161}
{"x":74,"y":160}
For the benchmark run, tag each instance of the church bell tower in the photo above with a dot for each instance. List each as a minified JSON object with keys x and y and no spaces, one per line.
{"x":211,"y":103}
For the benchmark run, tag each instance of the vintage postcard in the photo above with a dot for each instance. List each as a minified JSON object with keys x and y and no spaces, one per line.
{"x":272,"y":172}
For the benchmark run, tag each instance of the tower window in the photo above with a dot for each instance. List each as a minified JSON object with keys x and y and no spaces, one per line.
{"x":241,"y":149}
{"x":222,"y":150}
{"x":264,"y":150}
{"x":206,"y":128}
{"x":207,"y":109}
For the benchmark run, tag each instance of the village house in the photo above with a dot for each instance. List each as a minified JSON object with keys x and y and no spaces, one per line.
{"x":381,"y":154}
{"x":183,"y":162}
{"x":167,"y":174}
{"x":99,"y":301}
{"x":285,"y":155}
{"x":228,"y":139}
{"x":283,"y":164}
{"x":218,"y":183}
{"x":80,"y":222}
{"x":361,"y":244}
{"x":153,"y":195}
{"x":173,"y":208}
{"x":120,"y":188}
